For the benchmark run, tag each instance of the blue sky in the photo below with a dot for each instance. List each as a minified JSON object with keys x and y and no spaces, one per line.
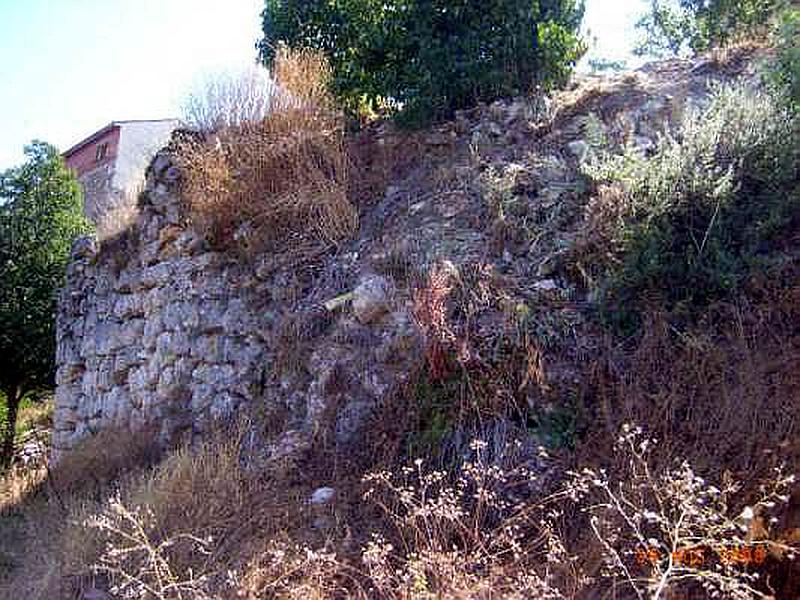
{"x":69,"y":67}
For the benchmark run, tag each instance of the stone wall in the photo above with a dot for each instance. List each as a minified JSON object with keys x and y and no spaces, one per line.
{"x":156,"y":327}
{"x":161,"y":337}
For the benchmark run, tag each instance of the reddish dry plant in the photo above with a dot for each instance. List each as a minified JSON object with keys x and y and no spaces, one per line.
{"x":494,"y":369}
{"x":432,"y":315}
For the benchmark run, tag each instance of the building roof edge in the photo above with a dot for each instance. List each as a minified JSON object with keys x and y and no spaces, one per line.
{"x":103,"y":130}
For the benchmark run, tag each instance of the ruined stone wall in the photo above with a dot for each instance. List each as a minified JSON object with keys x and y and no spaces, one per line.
{"x":154,"y":330}
{"x":156,"y":327}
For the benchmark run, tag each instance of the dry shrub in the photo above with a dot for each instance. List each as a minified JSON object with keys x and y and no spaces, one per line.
{"x":270,"y":182}
{"x":429,"y":534}
{"x":721,"y":393}
{"x":41,"y":528}
{"x":472,"y":533}
{"x":721,"y":396}
{"x":230,"y":99}
{"x":110,"y":517}
{"x":141,"y":565}
{"x":102,"y":458}
{"x":285,"y":570}
{"x":664,"y":531}
{"x":163,"y":531}
{"x":189,"y":527}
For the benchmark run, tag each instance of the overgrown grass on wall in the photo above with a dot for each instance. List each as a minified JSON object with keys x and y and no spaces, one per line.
{"x":252,"y":182}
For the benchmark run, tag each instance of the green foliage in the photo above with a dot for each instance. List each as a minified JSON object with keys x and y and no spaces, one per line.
{"x":675,"y":27}
{"x":430,"y":57}
{"x":40,"y":215}
{"x":435,"y":418}
{"x":785,"y":74}
{"x":558,"y":428}
{"x":707,"y":207}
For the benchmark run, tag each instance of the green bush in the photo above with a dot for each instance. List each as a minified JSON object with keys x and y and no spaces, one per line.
{"x":431,"y":57}
{"x":673,"y":27}
{"x":785,"y":74}
{"x":707,"y":207}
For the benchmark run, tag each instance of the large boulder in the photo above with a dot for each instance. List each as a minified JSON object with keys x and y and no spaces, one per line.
{"x":372,"y":298}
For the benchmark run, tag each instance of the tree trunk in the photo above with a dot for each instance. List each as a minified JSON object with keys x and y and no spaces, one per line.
{"x":13,"y":396}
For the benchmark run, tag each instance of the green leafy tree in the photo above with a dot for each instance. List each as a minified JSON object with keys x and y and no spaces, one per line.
{"x":431,"y":57}
{"x":680,"y":27}
{"x":40,"y":215}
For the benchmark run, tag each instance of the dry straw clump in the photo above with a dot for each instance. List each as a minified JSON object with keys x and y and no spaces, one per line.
{"x":272,"y":182}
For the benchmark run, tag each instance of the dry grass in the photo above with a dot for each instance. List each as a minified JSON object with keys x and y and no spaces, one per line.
{"x":35,"y":415}
{"x":112,"y":515}
{"x":433,"y":535}
{"x":229,"y":100}
{"x":103,"y":458}
{"x":42,"y":540}
{"x":721,"y":393}
{"x":257,"y":184}
{"x":18,"y":483}
{"x":167,"y":533}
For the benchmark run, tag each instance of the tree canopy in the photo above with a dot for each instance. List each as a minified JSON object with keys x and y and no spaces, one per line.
{"x":40,"y":216}
{"x":430,"y":57}
{"x":675,"y":27}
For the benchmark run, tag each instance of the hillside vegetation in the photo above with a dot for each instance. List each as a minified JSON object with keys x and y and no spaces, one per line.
{"x":606,"y":283}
